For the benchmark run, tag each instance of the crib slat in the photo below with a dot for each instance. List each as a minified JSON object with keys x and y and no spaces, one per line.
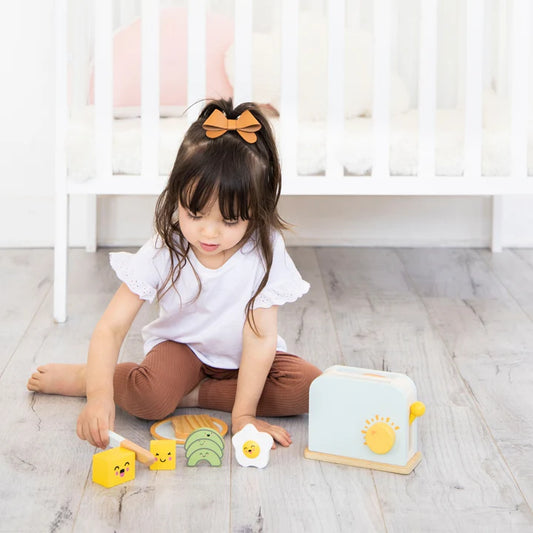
{"x":289,"y":89}
{"x":335,"y":110}
{"x":103,"y":86}
{"x":61,"y":197}
{"x":427,"y":88}
{"x":196,"y":55}
{"x":127,"y":9}
{"x":242,"y":90}
{"x":519,"y":78}
{"x":381,"y":91}
{"x":473,"y":88}
{"x":502,"y":30}
{"x":150,"y":88}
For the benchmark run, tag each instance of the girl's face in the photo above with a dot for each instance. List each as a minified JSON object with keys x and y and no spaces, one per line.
{"x":213,"y":239}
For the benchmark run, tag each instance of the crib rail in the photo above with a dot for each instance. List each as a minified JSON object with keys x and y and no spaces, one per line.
{"x":334,"y":180}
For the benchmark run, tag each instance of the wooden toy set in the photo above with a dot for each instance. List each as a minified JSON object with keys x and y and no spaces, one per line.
{"x":357,"y":417}
{"x":201,"y":436}
{"x":365,"y":418}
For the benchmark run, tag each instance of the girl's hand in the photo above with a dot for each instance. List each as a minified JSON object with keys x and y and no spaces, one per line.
{"x":278,"y":433}
{"x":96,"y":419}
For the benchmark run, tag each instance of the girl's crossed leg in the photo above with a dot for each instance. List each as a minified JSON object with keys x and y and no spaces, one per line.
{"x":172,"y":376}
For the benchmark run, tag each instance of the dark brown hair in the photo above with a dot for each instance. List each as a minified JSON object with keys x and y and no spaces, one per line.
{"x":245,"y":177}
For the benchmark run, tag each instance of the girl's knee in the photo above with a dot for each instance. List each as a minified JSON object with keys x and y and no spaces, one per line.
{"x":297,"y":371}
{"x":294,"y":376}
{"x":155,"y":410}
{"x":147,"y":406}
{"x":138,"y":393}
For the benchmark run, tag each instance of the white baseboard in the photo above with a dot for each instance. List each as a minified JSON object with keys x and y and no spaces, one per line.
{"x":387,"y":242}
{"x":26,"y":221}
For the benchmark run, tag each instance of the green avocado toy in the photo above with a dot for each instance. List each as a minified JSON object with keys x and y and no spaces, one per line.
{"x":204,"y":444}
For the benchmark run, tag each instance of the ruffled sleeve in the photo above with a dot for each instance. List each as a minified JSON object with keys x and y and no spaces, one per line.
{"x":141,"y":271}
{"x":285,"y":284}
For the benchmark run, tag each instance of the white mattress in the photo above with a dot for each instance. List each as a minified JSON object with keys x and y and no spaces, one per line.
{"x":356,"y":150}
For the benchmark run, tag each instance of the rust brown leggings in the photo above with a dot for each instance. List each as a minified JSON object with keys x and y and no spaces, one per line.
{"x":153,"y":389}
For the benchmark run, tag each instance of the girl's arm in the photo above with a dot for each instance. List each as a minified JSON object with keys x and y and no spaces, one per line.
{"x":98,"y":416}
{"x":258,"y":352}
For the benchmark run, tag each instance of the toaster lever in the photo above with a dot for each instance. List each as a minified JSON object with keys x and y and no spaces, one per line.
{"x":416,"y":409}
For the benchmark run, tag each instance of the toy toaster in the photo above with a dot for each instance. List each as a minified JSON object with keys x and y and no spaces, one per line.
{"x":365,"y":418}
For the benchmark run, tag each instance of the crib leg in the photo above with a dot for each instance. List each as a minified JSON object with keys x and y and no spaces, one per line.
{"x":61,"y":197}
{"x":497,"y":223}
{"x":61,"y":257}
{"x":92,"y":223}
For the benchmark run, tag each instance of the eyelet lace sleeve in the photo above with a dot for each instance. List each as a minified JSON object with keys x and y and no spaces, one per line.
{"x":285,"y":284}
{"x":141,"y":271}
{"x":282,"y":294}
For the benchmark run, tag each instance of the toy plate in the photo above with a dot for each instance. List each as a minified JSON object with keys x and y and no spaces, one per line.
{"x":164,"y":429}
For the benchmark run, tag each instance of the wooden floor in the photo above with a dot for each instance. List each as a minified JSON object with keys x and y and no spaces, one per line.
{"x":459,"y":322}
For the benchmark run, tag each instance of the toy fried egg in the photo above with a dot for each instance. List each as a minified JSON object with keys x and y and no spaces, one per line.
{"x":252,"y":447}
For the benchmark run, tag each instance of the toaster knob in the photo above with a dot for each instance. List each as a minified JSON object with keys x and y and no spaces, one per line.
{"x":380,"y":437}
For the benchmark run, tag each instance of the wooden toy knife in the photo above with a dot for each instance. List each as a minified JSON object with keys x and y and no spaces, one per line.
{"x":141,"y":454}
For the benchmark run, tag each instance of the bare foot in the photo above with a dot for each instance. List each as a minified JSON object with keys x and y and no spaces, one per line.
{"x":56,"y":378}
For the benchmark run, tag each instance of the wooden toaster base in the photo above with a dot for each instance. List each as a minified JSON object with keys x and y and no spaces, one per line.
{"x":364,"y":463}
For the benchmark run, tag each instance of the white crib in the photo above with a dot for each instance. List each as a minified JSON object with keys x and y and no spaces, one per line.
{"x":357,"y":156}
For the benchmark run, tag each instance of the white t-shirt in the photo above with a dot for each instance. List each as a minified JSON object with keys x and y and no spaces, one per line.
{"x":210,"y":323}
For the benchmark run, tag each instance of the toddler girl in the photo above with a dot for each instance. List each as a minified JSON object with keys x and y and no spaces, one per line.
{"x":218,"y":268}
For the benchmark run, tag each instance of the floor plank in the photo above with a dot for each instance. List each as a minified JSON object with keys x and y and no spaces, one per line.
{"x":44,"y":463}
{"x":24,"y":283}
{"x":491,"y":344}
{"x":514,"y":270}
{"x":489,"y":337}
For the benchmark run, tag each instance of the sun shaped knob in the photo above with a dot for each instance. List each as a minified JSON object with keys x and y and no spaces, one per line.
{"x":380,"y":437}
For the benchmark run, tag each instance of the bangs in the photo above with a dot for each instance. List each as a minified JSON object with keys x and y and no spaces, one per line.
{"x":224,"y":177}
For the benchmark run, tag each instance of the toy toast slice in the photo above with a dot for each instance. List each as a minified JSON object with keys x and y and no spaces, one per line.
{"x":184,"y":425}
{"x":179,"y":427}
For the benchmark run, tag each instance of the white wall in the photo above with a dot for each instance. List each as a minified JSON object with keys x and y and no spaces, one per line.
{"x":26,"y":123}
{"x":26,"y":174}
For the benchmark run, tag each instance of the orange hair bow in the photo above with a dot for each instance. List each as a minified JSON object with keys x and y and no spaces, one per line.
{"x":246,"y":125}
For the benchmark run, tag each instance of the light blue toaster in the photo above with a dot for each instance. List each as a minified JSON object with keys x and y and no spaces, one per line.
{"x":364,"y":417}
